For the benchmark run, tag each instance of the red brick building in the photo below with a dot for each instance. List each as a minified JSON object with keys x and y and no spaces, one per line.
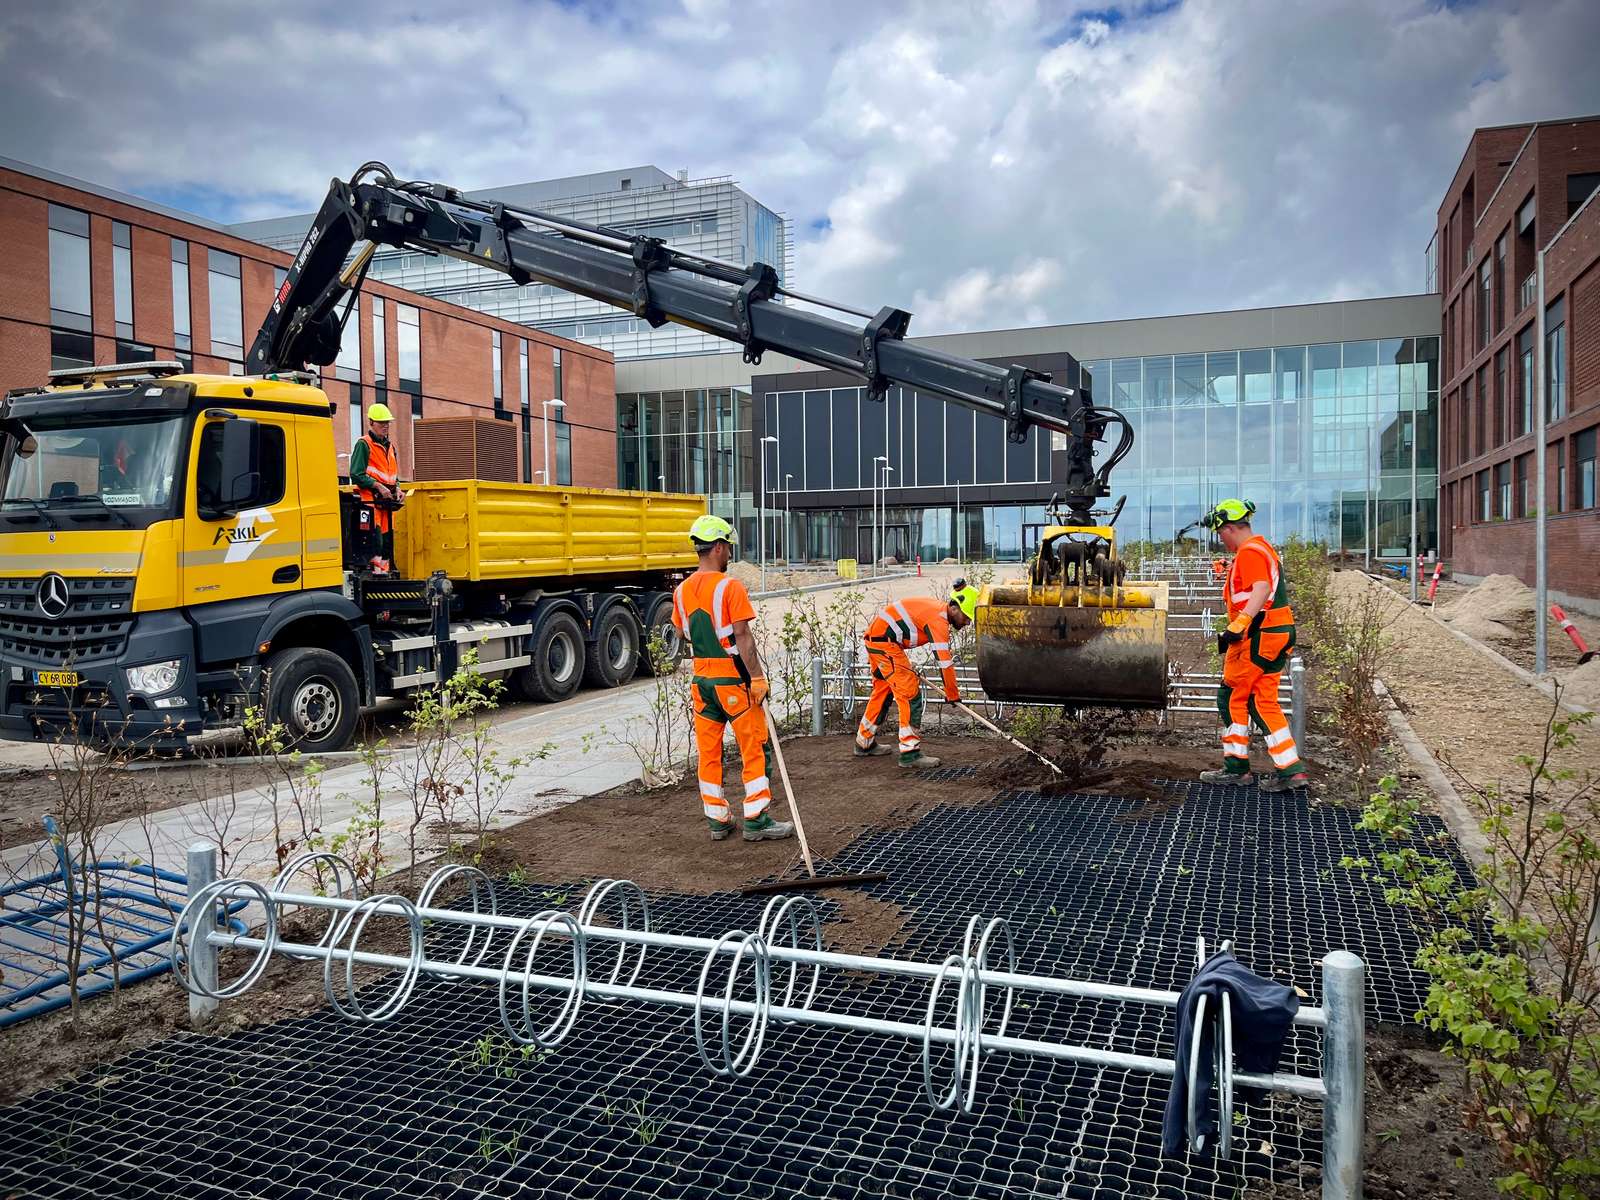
{"x":90,"y":275}
{"x":1520,"y":189}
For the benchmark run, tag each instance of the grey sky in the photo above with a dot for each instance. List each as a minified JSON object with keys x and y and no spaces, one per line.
{"x":984,"y":165}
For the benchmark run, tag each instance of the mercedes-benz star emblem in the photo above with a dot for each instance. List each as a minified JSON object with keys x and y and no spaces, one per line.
{"x":53,"y":595}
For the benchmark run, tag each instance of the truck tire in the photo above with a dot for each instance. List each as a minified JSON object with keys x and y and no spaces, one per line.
{"x":660,"y":622}
{"x":614,"y":657}
{"x":558,"y":661}
{"x":313,"y":694}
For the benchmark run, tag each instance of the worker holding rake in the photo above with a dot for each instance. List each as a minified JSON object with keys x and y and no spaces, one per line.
{"x":712,"y":612}
{"x":902,"y":625}
{"x":1255,"y":646}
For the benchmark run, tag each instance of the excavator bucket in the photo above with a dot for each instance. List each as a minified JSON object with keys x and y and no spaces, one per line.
{"x":1045,"y":640}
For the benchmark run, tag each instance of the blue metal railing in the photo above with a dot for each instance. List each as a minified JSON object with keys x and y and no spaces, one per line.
{"x":119,"y":915}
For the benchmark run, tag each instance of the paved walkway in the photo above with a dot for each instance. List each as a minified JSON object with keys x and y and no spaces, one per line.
{"x":587,"y":739}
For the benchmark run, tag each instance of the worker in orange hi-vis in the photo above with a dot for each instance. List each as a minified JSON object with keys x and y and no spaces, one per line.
{"x":901,"y":626}
{"x":712,"y":612}
{"x":1256,"y":648}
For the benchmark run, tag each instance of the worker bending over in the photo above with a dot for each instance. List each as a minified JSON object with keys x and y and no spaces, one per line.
{"x":1256,"y":646}
{"x":712,"y":613}
{"x":375,"y":472}
{"x":901,"y":626}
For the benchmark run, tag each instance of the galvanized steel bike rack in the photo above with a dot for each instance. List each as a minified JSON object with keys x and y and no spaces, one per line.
{"x":771,"y":974}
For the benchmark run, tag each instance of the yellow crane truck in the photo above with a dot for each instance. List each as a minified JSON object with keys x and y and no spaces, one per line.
{"x":176,"y":547}
{"x":173,"y":548}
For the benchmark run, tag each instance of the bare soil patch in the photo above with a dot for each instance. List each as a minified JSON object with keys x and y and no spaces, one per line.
{"x":865,"y":924}
{"x":1417,"y":1146}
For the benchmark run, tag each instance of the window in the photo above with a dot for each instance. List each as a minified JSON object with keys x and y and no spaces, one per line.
{"x":122,"y":278}
{"x":522,"y":371}
{"x":1525,"y":383}
{"x":557,"y":385}
{"x":1555,"y":358}
{"x":70,"y":306}
{"x":495,"y":373}
{"x":1583,"y":463}
{"x":380,"y":367}
{"x":70,"y":349}
{"x":356,"y":426}
{"x":1500,"y":284}
{"x":1256,"y":368}
{"x":1579,"y":188}
{"x":1484,"y":401}
{"x":1560,"y":449}
{"x":1189,"y":378}
{"x":1485,"y":303}
{"x":1525,"y":215}
{"x":563,"y":452}
{"x":1464,"y":430}
{"x":1289,"y":365}
{"x":1484,"y":500}
{"x":208,"y":469}
{"x":1502,"y":398}
{"x":227,"y":315}
{"x":280,"y":276}
{"x":408,"y":344}
{"x":348,"y":364}
{"x":1524,"y":498}
{"x":180,"y":296}
{"x":1502,"y":488}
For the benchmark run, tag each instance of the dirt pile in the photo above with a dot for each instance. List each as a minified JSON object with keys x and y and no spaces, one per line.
{"x":1581,"y":685}
{"x":1488,"y":610}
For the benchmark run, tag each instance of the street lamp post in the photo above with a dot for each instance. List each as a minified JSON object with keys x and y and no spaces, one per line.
{"x":883,"y":513}
{"x":545,"y":406}
{"x":958,"y":539}
{"x":761,"y":510}
{"x":788,"y":552}
{"x":880,"y":459}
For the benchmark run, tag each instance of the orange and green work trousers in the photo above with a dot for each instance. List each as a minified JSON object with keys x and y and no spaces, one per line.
{"x":1252,"y":667}
{"x":705,"y":606}
{"x":903,"y":624}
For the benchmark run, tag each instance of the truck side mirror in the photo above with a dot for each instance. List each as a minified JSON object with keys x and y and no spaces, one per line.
{"x":237,"y":466}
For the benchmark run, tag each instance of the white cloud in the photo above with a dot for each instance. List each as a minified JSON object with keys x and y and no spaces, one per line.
{"x":981,"y":164}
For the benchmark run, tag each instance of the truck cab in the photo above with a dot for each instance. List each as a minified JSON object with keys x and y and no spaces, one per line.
{"x":160,"y":534}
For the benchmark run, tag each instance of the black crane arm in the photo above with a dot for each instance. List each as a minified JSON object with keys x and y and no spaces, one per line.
{"x":658,"y":283}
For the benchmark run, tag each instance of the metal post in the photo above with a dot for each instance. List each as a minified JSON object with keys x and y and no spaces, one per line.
{"x":761,"y":517}
{"x":1344,"y":984}
{"x":1541,"y":580}
{"x":202,"y":871}
{"x":1297,"y":700}
{"x":816,"y":696}
{"x":1415,"y":567}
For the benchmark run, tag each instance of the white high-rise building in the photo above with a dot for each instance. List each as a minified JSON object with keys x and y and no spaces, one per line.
{"x":710,"y":216}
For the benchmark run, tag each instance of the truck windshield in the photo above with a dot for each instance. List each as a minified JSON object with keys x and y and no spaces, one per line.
{"x":55,"y":469}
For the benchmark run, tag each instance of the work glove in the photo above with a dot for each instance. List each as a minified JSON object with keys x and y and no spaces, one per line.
{"x":1235,"y":632}
{"x":759,"y":691}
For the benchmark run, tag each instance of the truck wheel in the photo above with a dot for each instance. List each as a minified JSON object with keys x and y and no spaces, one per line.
{"x":615,"y":656}
{"x":660,"y":625}
{"x":557,"y":666}
{"x":313,"y":694}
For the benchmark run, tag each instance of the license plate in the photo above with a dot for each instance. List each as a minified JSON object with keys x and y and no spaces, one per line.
{"x":56,"y":678}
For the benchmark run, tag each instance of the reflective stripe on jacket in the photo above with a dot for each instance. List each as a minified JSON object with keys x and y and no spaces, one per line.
{"x":916,"y":621}
{"x":704,"y":608}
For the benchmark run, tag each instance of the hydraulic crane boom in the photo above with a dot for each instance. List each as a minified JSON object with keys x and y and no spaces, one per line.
{"x":658,"y":283}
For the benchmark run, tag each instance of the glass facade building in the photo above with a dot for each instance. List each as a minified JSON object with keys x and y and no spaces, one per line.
{"x":708,"y":216}
{"x":1328,"y":437}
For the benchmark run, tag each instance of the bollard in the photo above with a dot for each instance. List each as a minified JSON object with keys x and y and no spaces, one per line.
{"x":1344,"y":984}
{"x":1298,"y":701}
{"x":202,"y":871}
{"x":816,"y":696}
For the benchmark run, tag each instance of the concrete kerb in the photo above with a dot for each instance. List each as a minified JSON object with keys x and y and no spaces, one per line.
{"x":863,"y":581}
{"x":1522,"y":673}
{"x":1460,"y":820}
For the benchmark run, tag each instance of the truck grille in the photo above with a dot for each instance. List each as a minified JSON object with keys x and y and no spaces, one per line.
{"x":95,"y":624}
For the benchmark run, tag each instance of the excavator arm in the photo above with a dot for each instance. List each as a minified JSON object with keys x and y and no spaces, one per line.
{"x":658,"y":283}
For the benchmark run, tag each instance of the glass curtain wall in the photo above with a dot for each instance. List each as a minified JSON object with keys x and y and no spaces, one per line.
{"x":692,"y":441}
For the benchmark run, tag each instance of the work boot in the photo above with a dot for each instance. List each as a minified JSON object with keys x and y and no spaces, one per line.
{"x":919,"y":760}
{"x":765,"y":829}
{"x":872,"y":751}
{"x":1284,"y":783}
{"x":1228,"y":778}
{"x":719,"y":829}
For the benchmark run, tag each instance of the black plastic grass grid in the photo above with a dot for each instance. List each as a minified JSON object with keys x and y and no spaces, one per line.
{"x":437,"y":1102}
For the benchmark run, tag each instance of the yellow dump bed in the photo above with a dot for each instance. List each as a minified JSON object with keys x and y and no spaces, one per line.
{"x":473,"y":529}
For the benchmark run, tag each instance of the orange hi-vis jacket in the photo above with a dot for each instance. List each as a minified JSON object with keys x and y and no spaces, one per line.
{"x":704,"y":608}
{"x":1269,"y":643}
{"x":383,"y":465}
{"x":917,"y":621}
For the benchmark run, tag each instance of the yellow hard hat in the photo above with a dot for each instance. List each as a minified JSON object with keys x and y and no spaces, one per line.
{"x":710,"y":529}
{"x":379,"y":412}
{"x":965,"y":597}
{"x":1227,"y":511}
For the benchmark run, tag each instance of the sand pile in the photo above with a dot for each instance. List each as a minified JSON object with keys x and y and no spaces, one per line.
{"x":1501,"y":598}
{"x":1481,"y":628}
{"x":1581,"y":685}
